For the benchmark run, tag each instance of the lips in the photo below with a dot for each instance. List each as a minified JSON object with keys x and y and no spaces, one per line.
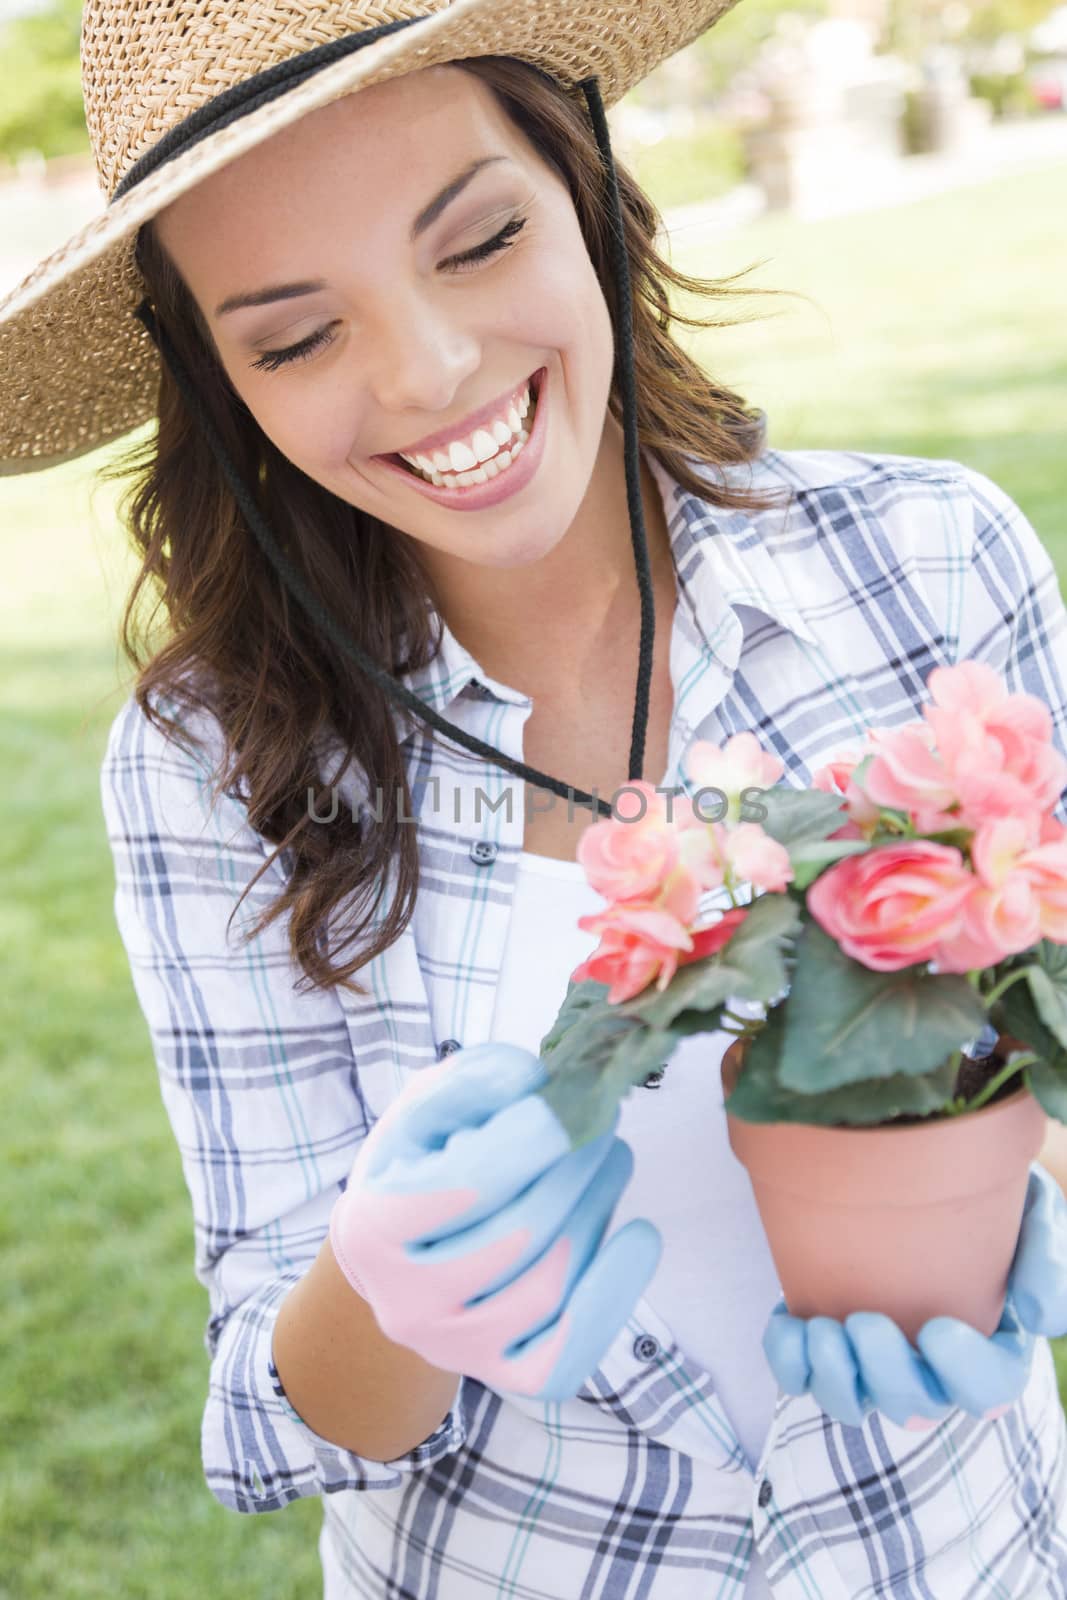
{"x":534,"y":380}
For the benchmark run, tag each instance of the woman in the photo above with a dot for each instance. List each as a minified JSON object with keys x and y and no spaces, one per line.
{"x":339,"y":297}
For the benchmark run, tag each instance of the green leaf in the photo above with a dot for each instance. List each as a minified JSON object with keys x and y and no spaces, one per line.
{"x":704,"y":986}
{"x":1048,"y":1087}
{"x":849,"y":1025}
{"x":761,"y":1096}
{"x":752,"y":967}
{"x":801,"y":816}
{"x":596,"y":1062}
{"x":1016,"y":1013}
{"x":577,"y":1002}
{"x":812,"y":859}
{"x":1047,"y":979}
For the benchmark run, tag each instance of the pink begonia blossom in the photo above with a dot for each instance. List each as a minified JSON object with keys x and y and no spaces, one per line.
{"x":625,"y":860}
{"x":753,"y":856}
{"x":636,"y":943}
{"x":895,"y":905}
{"x":836,"y":777}
{"x":1019,"y":897}
{"x":907,"y":774}
{"x":996,"y":746}
{"x":740,"y":764}
{"x":664,"y":853}
{"x":639,"y":943}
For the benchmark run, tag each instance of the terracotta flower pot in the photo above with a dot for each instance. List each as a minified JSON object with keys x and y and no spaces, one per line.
{"x":915,"y":1221}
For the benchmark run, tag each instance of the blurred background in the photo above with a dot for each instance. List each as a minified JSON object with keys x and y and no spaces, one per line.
{"x":902,"y":166}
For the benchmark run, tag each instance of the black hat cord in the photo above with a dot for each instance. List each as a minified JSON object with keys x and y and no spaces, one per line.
{"x":239,"y":101}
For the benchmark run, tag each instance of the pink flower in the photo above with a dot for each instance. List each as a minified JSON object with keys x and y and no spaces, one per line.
{"x":639,"y":943}
{"x":706,"y":941}
{"x":996,"y":746}
{"x":626,"y":860}
{"x":1020,"y":894}
{"x":753,"y":856}
{"x":664,"y":855}
{"x":893,"y":906}
{"x":836,"y":777}
{"x":740,"y":764}
{"x":908,"y":774}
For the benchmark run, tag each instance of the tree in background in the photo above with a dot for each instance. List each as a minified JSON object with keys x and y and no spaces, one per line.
{"x":733,"y":44}
{"x":41,"y":106}
{"x":914,"y":26}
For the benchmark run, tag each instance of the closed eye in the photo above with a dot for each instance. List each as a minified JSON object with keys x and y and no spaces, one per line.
{"x":271,"y":360}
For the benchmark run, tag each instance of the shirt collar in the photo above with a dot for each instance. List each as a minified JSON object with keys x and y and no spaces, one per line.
{"x":722,"y":563}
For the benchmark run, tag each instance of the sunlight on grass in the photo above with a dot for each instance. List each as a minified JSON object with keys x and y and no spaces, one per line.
{"x":937,"y":331}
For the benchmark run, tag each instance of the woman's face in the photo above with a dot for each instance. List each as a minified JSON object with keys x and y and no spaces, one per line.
{"x":402,"y":340}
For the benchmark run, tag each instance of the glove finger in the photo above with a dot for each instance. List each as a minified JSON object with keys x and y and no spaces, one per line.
{"x":894,"y":1377}
{"x":1038,"y":1276}
{"x":785,"y":1344}
{"x":481,"y":1169}
{"x":536,"y":1217}
{"x":464,"y":1089}
{"x":599,"y":1307}
{"x":835,"y":1381}
{"x":978,"y":1374}
{"x":530,"y":1302}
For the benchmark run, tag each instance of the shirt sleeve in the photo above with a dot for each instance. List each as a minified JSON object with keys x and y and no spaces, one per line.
{"x":262,"y":1091}
{"x":1012,"y":612}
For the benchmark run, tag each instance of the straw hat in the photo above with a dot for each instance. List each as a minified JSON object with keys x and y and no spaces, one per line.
{"x":169,"y":100}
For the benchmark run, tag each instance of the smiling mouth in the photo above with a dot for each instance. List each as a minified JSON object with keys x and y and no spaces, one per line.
{"x":534,"y":382}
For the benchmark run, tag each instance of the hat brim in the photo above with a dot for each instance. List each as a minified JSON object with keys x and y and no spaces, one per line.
{"x":77,"y":368}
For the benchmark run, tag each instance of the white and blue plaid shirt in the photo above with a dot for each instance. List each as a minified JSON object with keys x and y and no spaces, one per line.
{"x":803,"y":624}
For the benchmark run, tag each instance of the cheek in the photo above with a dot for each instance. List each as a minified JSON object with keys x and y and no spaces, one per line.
{"x":311,"y":429}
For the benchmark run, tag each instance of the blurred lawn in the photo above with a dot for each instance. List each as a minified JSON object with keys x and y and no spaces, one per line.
{"x":938,"y":333}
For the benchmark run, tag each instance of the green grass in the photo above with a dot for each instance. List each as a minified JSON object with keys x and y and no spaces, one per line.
{"x":938,"y":333}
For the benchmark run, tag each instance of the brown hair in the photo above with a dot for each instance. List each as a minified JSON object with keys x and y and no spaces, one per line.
{"x":238,"y":647}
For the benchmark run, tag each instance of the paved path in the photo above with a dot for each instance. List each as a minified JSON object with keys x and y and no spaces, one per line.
{"x":999,"y":149}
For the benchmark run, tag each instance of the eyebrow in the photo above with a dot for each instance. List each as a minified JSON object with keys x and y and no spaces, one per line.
{"x":424,"y":220}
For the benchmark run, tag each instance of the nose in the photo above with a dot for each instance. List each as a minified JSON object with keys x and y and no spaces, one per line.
{"x":422,"y":361}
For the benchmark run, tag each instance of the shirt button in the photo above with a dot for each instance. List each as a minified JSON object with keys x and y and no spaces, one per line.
{"x":765,"y":1492}
{"x":646,"y":1348}
{"x":483,"y":851}
{"x":448,"y":1047}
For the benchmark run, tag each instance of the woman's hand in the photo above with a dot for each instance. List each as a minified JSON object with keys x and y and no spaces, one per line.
{"x":473,"y":1229}
{"x":867,"y":1363}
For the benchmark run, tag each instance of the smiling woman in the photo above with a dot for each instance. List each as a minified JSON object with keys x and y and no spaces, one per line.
{"x":315,"y":382}
{"x":414,"y":1303}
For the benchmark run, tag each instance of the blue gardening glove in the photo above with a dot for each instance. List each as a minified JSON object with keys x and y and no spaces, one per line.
{"x":475,"y":1232}
{"x":868,"y":1364}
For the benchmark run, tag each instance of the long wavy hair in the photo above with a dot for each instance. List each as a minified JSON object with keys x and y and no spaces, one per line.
{"x":235,"y":645}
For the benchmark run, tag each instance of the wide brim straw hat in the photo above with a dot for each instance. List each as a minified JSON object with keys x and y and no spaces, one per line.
{"x":168,"y":102}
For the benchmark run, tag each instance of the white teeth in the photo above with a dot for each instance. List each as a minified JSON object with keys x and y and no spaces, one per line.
{"x":484,"y":444}
{"x":482,"y":474}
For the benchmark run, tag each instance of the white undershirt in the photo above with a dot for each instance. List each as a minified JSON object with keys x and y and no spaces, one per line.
{"x":715,"y":1285}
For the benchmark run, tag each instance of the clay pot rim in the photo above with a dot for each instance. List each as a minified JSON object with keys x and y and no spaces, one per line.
{"x":806,"y":1160}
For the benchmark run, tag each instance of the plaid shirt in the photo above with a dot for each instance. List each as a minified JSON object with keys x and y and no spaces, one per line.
{"x":803,"y":623}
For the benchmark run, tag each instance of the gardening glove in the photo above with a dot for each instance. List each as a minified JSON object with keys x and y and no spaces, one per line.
{"x":473,"y":1229}
{"x":868,"y":1364}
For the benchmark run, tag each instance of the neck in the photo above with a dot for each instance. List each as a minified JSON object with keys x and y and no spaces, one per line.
{"x":584,"y":594}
